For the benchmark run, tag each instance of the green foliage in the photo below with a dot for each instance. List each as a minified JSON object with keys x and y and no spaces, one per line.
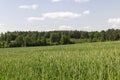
{"x":80,"y":40}
{"x":34,"y":38}
{"x":19,"y":41}
{"x":88,"y":61}
{"x":43,"y":41}
{"x":55,"y":38}
{"x":65,"y":39}
{"x":13,"y":44}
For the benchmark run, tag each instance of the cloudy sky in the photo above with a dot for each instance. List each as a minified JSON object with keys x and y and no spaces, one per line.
{"x":46,"y":15}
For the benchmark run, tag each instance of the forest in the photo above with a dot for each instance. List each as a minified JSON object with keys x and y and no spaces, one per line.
{"x":35,"y":38}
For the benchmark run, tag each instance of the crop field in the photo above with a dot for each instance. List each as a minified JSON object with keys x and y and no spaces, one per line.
{"x":87,"y":61}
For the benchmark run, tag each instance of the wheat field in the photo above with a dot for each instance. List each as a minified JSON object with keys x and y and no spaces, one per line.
{"x":87,"y":61}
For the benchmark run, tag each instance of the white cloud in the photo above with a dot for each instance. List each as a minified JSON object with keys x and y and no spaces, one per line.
{"x":65,"y":27}
{"x":3,"y":28}
{"x":81,"y":1}
{"x":56,"y":15}
{"x":2,"y":25}
{"x":59,"y":16}
{"x":30,"y":7}
{"x":36,"y":18}
{"x":114,"y":22}
{"x":87,"y":12}
{"x":56,"y":0}
{"x":73,"y":27}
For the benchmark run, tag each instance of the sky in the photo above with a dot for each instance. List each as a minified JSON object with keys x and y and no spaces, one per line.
{"x":48,"y":15}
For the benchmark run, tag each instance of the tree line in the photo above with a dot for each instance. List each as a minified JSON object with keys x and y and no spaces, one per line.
{"x":35,"y":38}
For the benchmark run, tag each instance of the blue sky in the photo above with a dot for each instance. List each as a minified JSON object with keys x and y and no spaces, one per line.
{"x":46,"y":15}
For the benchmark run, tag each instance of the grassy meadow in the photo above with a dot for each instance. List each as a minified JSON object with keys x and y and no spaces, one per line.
{"x":87,"y":61}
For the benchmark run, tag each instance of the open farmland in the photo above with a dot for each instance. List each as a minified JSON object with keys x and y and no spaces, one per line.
{"x":88,"y":61}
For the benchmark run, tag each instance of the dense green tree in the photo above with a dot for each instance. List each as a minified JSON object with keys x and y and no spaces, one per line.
{"x":13,"y":44}
{"x":27,"y":41}
{"x":34,"y":38}
{"x":65,"y":39}
{"x":2,"y":37}
{"x":43,"y":41}
{"x":19,"y":41}
{"x":54,"y":38}
{"x":91,"y":36}
{"x":103,"y":36}
{"x":84,"y":35}
{"x":97,"y":36}
{"x":76,"y":35}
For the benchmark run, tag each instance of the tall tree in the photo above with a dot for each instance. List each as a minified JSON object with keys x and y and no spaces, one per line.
{"x":55,"y":38}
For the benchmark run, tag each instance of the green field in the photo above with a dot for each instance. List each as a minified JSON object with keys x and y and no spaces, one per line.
{"x":88,"y":61}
